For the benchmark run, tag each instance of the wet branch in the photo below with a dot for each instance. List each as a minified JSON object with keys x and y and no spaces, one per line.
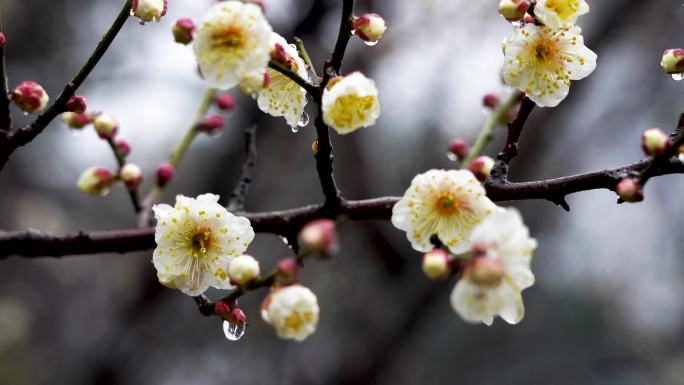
{"x":237,"y":198}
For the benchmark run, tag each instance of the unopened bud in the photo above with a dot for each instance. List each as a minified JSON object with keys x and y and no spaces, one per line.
{"x":279,"y":55}
{"x":222,"y":309}
{"x":370,"y":27}
{"x":529,"y":19}
{"x":436,"y":265}
{"x":481,"y":167}
{"x":131,"y":175}
{"x":287,"y":271}
{"x":459,"y":148}
{"x":673,"y":61}
{"x":225,"y":101}
{"x":3,"y":40}
{"x":149,"y":10}
{"x":243,"y":269}
{"x":210,"y":124}
{"x":95,"y":181}
{"x":165,"y":173}
{"x":254,"y":82}
{"x":319,"y":236}
{"x":513,"y":10}
{"x":655,"y":142}
{"x":491,"y":101}
{"x":629,"y":190}
{"x":76,"y":120}
{"x":106,"y":126}
{"x":77,"y":103}
{"x":182,"y":30}
{"x":236,"y":316}
{"x":122,"y":147}
{"x":485,"y":271}
{"x":30,"y":97}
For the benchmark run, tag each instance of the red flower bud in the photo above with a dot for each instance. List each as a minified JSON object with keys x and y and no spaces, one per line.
{"x":210,"y":124}
{"x":77,"y":104}
{"x":165,"y":173}
{"x":225,"y":101}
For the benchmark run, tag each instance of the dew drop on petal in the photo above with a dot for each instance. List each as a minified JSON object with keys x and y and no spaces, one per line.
{"x":304,"y":120}
{"x":678,"y":77}
{"x":233,"y":330}
{"x":451,"y":156}
{"x":26,"y":113}
{"x":518,"y":24}
{"x":285,"y":241}
{"x":295,"y":129}
{"x":370,"y":43}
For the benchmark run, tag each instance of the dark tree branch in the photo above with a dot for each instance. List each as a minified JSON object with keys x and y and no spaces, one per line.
{"x":237,"y":198}
{"x":510,"y":149}
{"x":26,"y":134}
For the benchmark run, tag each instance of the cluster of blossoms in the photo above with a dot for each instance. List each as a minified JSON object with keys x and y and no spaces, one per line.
{"x":447,"y":215}
{"x":546,"y":50}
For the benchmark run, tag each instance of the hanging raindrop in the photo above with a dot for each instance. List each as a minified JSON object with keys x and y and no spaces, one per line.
{"x":370,"y":43}
{"x":451,"y":156}
{"x":304,"y":120}
{"x":233,"y":330}
{"x":678,"y":77}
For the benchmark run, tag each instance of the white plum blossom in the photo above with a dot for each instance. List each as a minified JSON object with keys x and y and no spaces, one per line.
{"x":196,"y":240}
{"x":293,"y":312}
{"x":541,"y":62}
{"x":560,"y":13}
{"x":284,"y":97}
{"x":493,"y":281}
{"x":350,"y":103}
{"x":149,"y":10}
{"x":446,"y":203}
{"x":232,"y":42}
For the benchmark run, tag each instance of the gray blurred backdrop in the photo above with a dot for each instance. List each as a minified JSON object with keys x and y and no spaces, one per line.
{"x":607,"y":307}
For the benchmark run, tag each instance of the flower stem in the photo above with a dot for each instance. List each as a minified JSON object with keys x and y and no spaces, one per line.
{"x":493,"y":120}
{"x":121,"y":161}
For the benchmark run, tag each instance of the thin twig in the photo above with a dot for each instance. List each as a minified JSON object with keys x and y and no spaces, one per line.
{"x":237,"y":198}
{"x":510,"y":149}
{"x":121,"y":162}
{"x":5,"y":114}
{"x":301,"y":48}
{"x":313,"y":90}
{"x":26,"y":134}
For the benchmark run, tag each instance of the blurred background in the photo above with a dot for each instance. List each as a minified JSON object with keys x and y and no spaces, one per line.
{"x":607,"y":307}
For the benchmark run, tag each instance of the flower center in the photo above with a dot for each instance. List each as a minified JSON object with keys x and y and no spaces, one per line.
{"x":350,"y":110}
{"x":200,"y":243}
{"x":296,"y":320}
{"x":446,"y":203}
{"x":563,"y":8}
{"x":229,"y":38}
{"x":544,"y":50}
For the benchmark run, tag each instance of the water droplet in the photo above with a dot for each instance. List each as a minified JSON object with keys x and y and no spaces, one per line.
{"x":285,"y":241}
{"x":26,"y":113}
{"x":303,"y":120}
{"x":142,"y":22}
{"x":295,"y":129}
{"x":132,"y":13}
{"x":518,"y":24}
{"x":233,"y":330}
{"x":370,"y":43}
{"x":353,"y":32}
{"x":451,"y":156}
{"x":678,"y":77}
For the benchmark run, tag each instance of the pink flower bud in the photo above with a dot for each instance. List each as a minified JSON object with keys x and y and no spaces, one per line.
{"x":629,"y":190}
{"x":122,"y":147}
{"x":77,"y":103}
{"x":182,"y":30}
{"x":210,"y":124}
{"x":236,"y":316}
{"x":222,"y":309}
{"x":131,"y":175}
{"x":225,"y":101}
{"x":485,"y":271}
{"x":149,"y":10}
{"x":673,"y":61}
{"x":30,"y":97}
{"x":529,"y":19}
{"x":319,"y":236}
{"x":76,"y":120}
{"x":655,"y":142}
{"x":165,"y":173}
{"x":459,"y":148}
{"x":95,"y":181}
{"x":105,"y":126}
{"x":481,"y":167}
{"x":370,"y":27}
{"x":436,"y":265}
{"x":3,"y":40}
{"x":491,"y":101}
{"x":279,"y":55}
{"x":513,"y":10}
{"x":287,"y":271}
